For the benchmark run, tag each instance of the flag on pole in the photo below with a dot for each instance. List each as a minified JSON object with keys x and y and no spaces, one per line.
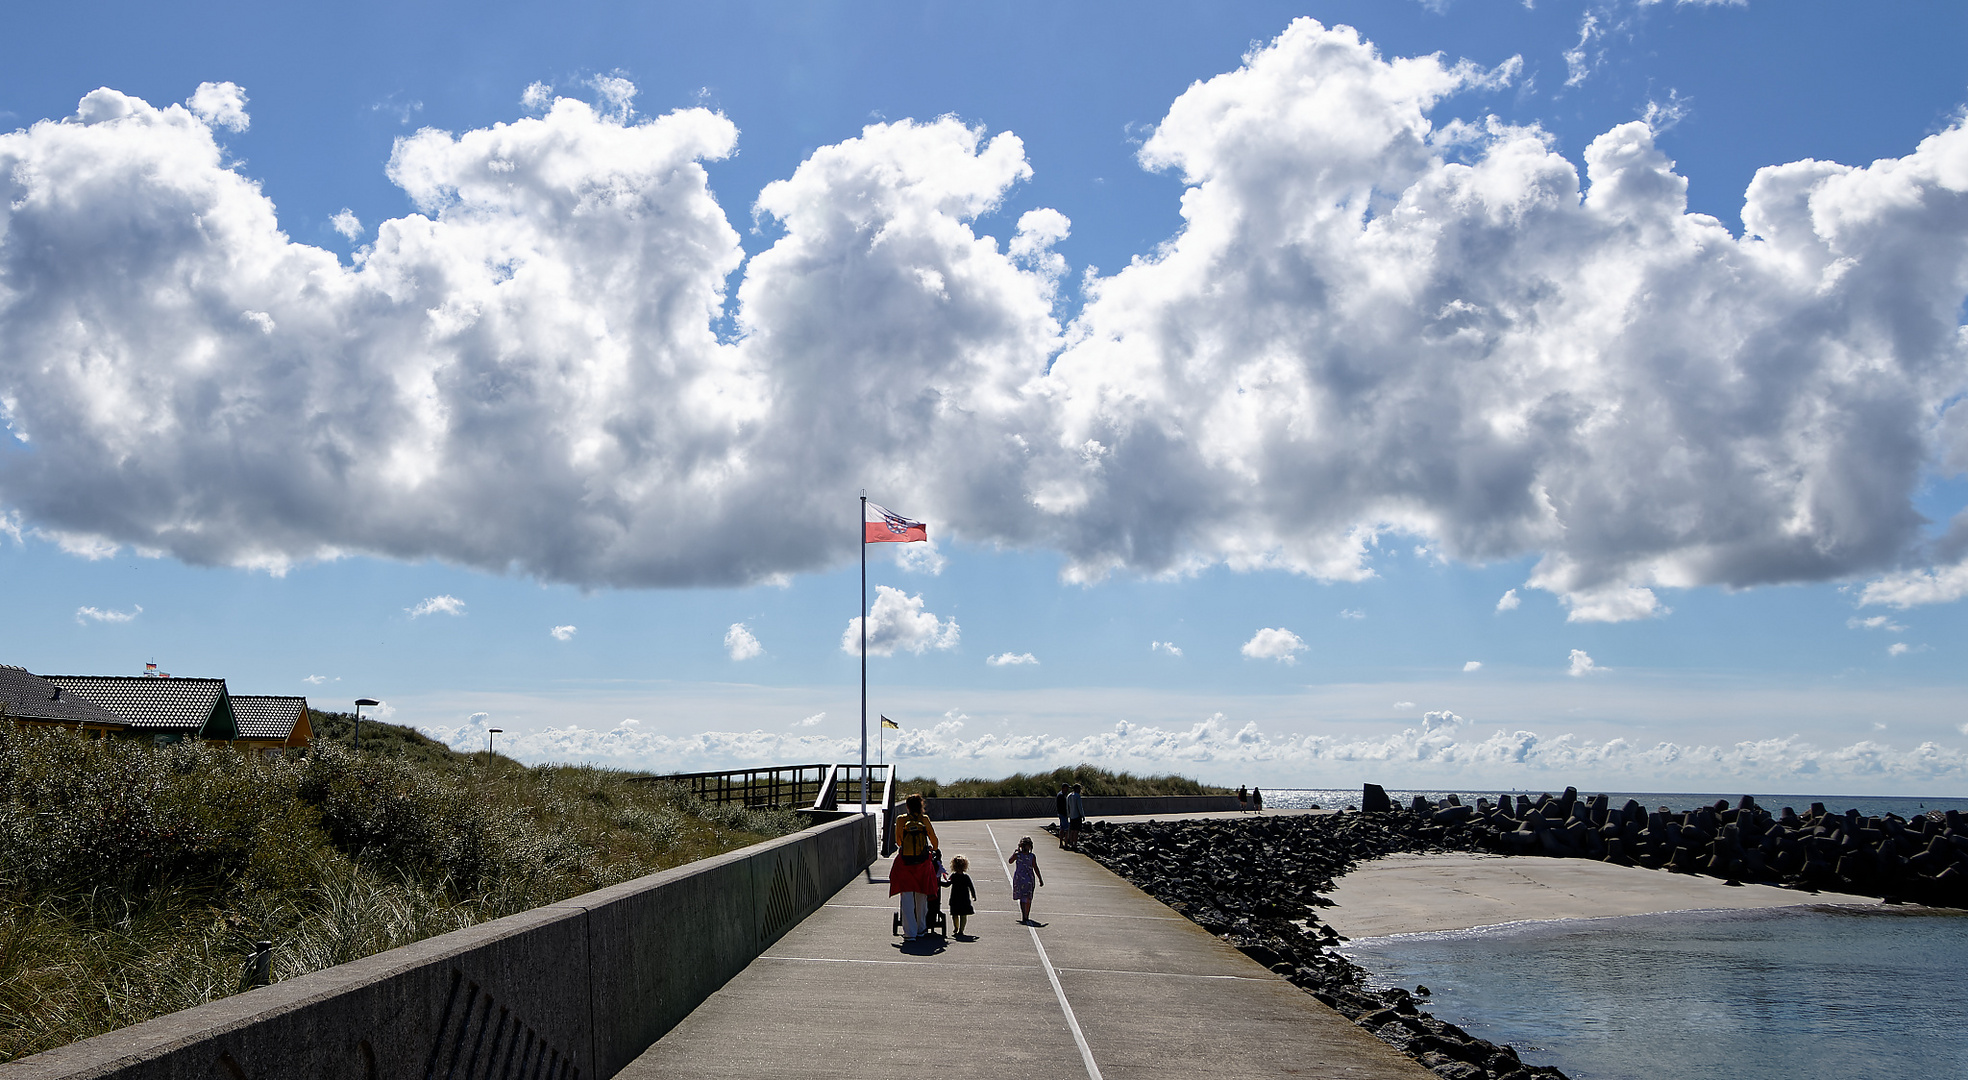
{"x":887,"y":723}
{"x":883,"y":526}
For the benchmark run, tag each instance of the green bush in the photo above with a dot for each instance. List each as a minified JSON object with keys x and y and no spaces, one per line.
{"x":78,"y":814}
{"x":1093,"y":781}
{"x":135,"y":879}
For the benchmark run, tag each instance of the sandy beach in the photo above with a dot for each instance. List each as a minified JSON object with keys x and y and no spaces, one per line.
{"x":1409,"y":894}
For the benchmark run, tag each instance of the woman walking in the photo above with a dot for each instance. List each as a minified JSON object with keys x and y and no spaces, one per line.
{"x":1024,"y":871}
{"x":912,"y":875}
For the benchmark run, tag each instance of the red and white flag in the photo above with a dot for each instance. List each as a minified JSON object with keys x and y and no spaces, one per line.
{"x":883,"y":526}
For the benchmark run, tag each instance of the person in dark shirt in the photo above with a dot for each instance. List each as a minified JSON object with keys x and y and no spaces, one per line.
{"x":1059,"y":803}
{"x":962,"y":892}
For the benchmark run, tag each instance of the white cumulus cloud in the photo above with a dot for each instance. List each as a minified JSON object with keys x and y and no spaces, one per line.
{"x":1441,"y":745}
{"x":740,"y":644}
{"x":1898,"y":648}
{"x":1913,"y":588}
{"x":1473,"y":665}
{"x":814,"y":720}
{"x":1874,"y":622}
{"x":221,"y":104}
{"x":1383,"y":314}
{"x":87,"y":615}
{"x":897,"y":621}
{"x":1274,"y":643}
{"x":1008,"y":659}
{"x":1582,"y":664}
{"x":1168,"y":647}
{"x":1509,"y":601}
{"x":345,"y":222}
{"x":920,"y":558}
{"x":437,"y":605}
{"x":563,"y":633}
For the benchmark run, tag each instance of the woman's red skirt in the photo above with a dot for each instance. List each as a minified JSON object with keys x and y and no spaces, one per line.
{"x":920,"y":877}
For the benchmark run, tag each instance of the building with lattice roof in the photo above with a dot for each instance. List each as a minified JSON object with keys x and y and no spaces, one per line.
{"x":31,"y":699}
{"x":268,"y":722}
{"x":167,"y":709}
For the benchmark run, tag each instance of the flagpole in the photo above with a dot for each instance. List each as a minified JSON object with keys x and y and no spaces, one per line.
{"x":864,"y":651}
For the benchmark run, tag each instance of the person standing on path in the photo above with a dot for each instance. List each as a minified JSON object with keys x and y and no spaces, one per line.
{"x":962,"y":892}
{"x":1257,"y":800}
{"x":1075,"y":816}
{"x":1024,"y":871}
{"x":912,"y":875}
{"x":1059,"y":803}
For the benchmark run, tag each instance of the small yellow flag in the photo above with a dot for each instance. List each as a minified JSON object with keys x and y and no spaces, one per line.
{"x":886,"y":722}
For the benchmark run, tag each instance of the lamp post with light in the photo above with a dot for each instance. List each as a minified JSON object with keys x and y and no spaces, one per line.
{"x":359,"y":703}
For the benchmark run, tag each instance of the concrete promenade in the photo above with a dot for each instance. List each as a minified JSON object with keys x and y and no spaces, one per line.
{"x":1112,"y":984}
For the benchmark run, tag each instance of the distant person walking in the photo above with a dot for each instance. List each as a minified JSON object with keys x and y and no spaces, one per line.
{"x":912,"y":875}
{"x":962,"y":892}
{"x":1059,"y":803}
{"x":1243,"y":798}
{"x":1075,"y":817}
{"x":1024,"y":871}
{"x":1257,"y":800}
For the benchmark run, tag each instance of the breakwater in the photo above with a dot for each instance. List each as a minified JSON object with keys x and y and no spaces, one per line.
{"x":1258,"y":883}
{"x":1920,"y":860}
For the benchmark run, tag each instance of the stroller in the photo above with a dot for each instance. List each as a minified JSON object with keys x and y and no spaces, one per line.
{"x":935,"y":922}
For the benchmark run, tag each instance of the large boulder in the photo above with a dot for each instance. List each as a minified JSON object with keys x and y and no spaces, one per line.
{"x":1374,"y":800}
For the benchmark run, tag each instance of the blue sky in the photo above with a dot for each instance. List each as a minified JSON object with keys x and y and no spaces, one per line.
{"x":1698,"y":458}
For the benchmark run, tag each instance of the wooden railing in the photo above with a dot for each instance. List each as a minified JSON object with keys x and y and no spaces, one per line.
{"x":789,"y":787}
{"x":785,"y":787}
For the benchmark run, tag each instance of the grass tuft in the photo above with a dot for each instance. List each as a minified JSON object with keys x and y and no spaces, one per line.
{"x":135,"y":880}
{"x":1093,"y":781}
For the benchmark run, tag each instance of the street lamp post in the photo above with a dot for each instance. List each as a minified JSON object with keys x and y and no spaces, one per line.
{"x":489,"y":732}
{"x":359,"y":703}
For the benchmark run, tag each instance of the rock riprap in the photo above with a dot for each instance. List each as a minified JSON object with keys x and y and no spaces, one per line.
{"x":1923,"y":860}
{"x":1257,"y":882}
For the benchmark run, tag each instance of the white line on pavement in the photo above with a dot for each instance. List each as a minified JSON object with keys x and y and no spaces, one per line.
{"x":1079,"y":1037}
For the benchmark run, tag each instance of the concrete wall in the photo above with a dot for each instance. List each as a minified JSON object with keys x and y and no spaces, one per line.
{"x":574,"y":989}
{"x":1095,"y":806}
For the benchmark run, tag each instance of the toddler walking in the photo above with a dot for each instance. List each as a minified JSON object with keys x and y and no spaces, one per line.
{"x":962,"y":892}
{"x":1024,"y":871}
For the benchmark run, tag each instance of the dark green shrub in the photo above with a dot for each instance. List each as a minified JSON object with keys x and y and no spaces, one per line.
{"x":1093,"y":781}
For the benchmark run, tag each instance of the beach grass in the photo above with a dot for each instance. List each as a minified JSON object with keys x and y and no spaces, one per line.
{"x":135,"y":880}
{"x":1093,"y":781}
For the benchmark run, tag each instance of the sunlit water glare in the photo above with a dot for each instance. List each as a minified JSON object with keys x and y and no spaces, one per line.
{"x":1780,"y":994}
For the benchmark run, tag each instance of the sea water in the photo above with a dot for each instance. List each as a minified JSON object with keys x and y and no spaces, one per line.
{"x":1779,"y":994}
{"x":1906,"y":806}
